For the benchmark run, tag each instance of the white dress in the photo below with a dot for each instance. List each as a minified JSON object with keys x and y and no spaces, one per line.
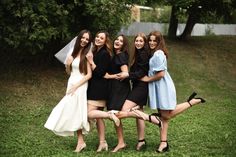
{"x":70,"y":114}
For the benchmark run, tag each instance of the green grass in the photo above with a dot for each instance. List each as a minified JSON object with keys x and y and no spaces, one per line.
{"x":203,"y":64}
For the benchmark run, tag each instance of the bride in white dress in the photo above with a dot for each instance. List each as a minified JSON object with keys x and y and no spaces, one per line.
{"x":70,"y":114}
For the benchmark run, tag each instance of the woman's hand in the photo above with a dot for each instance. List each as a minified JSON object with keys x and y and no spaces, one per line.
{"x":72,"y":90}
{"x":145,"y":79}
{"x":89,"y":57}
{"x":122,"y":75}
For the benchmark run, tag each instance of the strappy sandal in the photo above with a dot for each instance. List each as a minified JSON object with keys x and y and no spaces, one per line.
{"x":156,"y":115}
{"x":192,"y":96}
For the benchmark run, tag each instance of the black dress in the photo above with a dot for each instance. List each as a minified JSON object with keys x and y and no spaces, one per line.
{"x":98,"y":85}
{"x":118,"y":90}
{"x":139,"y":92}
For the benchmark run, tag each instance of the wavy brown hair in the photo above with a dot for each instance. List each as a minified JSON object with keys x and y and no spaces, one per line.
{"x":107,"y":45}
{"x":160,"y":42}
{"x":82,"y":50}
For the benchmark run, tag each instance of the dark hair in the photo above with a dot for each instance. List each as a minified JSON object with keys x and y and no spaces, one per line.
{"x":83,"y":51}
{"x":160,"y":42}
{"x":125,"y":47}
{"x":107,"y":45}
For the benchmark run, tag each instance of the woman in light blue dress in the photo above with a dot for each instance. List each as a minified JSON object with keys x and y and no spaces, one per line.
{"x":162,"y":94}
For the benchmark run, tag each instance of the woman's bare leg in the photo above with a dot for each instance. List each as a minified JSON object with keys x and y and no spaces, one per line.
{"x":101,"y":129}
{"x":180,"y":108}
{"x":121,"y":143}
{"x":119,"y":130}
{"x":80,"y":144}
{"x":141,"y":132}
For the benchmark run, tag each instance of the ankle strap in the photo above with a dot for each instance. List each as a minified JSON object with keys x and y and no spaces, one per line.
{"x":163,"y":140}
{"x":103,"y":141}
{"x":143,"y":140}
{"x":190,"y":104}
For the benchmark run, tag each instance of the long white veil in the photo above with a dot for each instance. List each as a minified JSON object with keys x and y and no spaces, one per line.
{"x":66,"y":51}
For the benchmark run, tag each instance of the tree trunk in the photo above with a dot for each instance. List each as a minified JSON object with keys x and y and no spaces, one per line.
{"x":192,"y":19}
{"x":173,"y":23}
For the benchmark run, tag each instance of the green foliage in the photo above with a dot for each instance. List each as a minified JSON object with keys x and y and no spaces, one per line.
{"x":28,"y":26}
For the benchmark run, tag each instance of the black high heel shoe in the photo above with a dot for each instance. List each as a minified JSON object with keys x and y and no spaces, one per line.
{"x":192,"y":96}
{"x":156,"y":115}
{"x":164,"y":149}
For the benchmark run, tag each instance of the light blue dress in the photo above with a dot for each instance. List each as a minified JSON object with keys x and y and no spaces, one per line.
{"x":162,"y":94}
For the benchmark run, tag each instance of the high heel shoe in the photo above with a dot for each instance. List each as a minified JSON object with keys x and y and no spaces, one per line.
{"x":141,"y":146}
{"x":156,"y":115}
{"x":102,"y":146}
{"x":113,"y":117}
{"x":165,"y":149}
{"x":79,"y":148}
{"x":192,"y":96}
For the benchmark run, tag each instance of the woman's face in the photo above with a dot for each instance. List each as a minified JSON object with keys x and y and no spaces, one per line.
{"x":139,"y":42}
{"x":152,"y":42}
{"x":84,"y":40}
{"x":118,"y":43}
{"x":100,"y":39}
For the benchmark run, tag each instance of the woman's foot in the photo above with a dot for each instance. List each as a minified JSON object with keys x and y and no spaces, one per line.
{"x":119,"y":147}
{"x":163,"y":147}
{"x":80,"y":147}
{"x":141,"y":145}
{"x":113,"y":117}
{"x":155,"y":120}
{"x":192,"y":100}
{"x":102,"y":146}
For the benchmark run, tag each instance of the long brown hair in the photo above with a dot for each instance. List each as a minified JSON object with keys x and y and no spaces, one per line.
{"x":107,"y":45}
{"x":160,"y":42}
{"x":134,"y":49}
{"x":82,"y":50}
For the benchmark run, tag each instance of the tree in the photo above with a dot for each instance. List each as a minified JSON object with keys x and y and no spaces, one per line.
{"x":28,"y":26}
{"x":31,"y":27}
{"x":196,"y":11}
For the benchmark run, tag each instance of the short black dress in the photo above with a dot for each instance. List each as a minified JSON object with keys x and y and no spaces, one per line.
{"x":139,"y":69}
{"x":98,"y":85}
{"x":118,"y":90}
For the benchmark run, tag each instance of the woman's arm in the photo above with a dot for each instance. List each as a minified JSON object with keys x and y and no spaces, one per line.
{"x":155,"y":77}
{"x":68,"y":63}
{"x":82,"y":81}
{"x":122,"y":75}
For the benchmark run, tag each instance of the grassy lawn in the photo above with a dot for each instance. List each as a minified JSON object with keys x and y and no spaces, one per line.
{"x":203,"y":64}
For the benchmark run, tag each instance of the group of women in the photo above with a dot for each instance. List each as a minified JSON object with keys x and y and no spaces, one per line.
{"x":107,"y":77}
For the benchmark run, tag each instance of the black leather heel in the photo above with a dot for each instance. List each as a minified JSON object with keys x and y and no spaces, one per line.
{"x":202,"y":100}
{"x":143,"y":146}
{"x":164,"y":149}
{"x":156,"y":115}
{"x":191,"y":97}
